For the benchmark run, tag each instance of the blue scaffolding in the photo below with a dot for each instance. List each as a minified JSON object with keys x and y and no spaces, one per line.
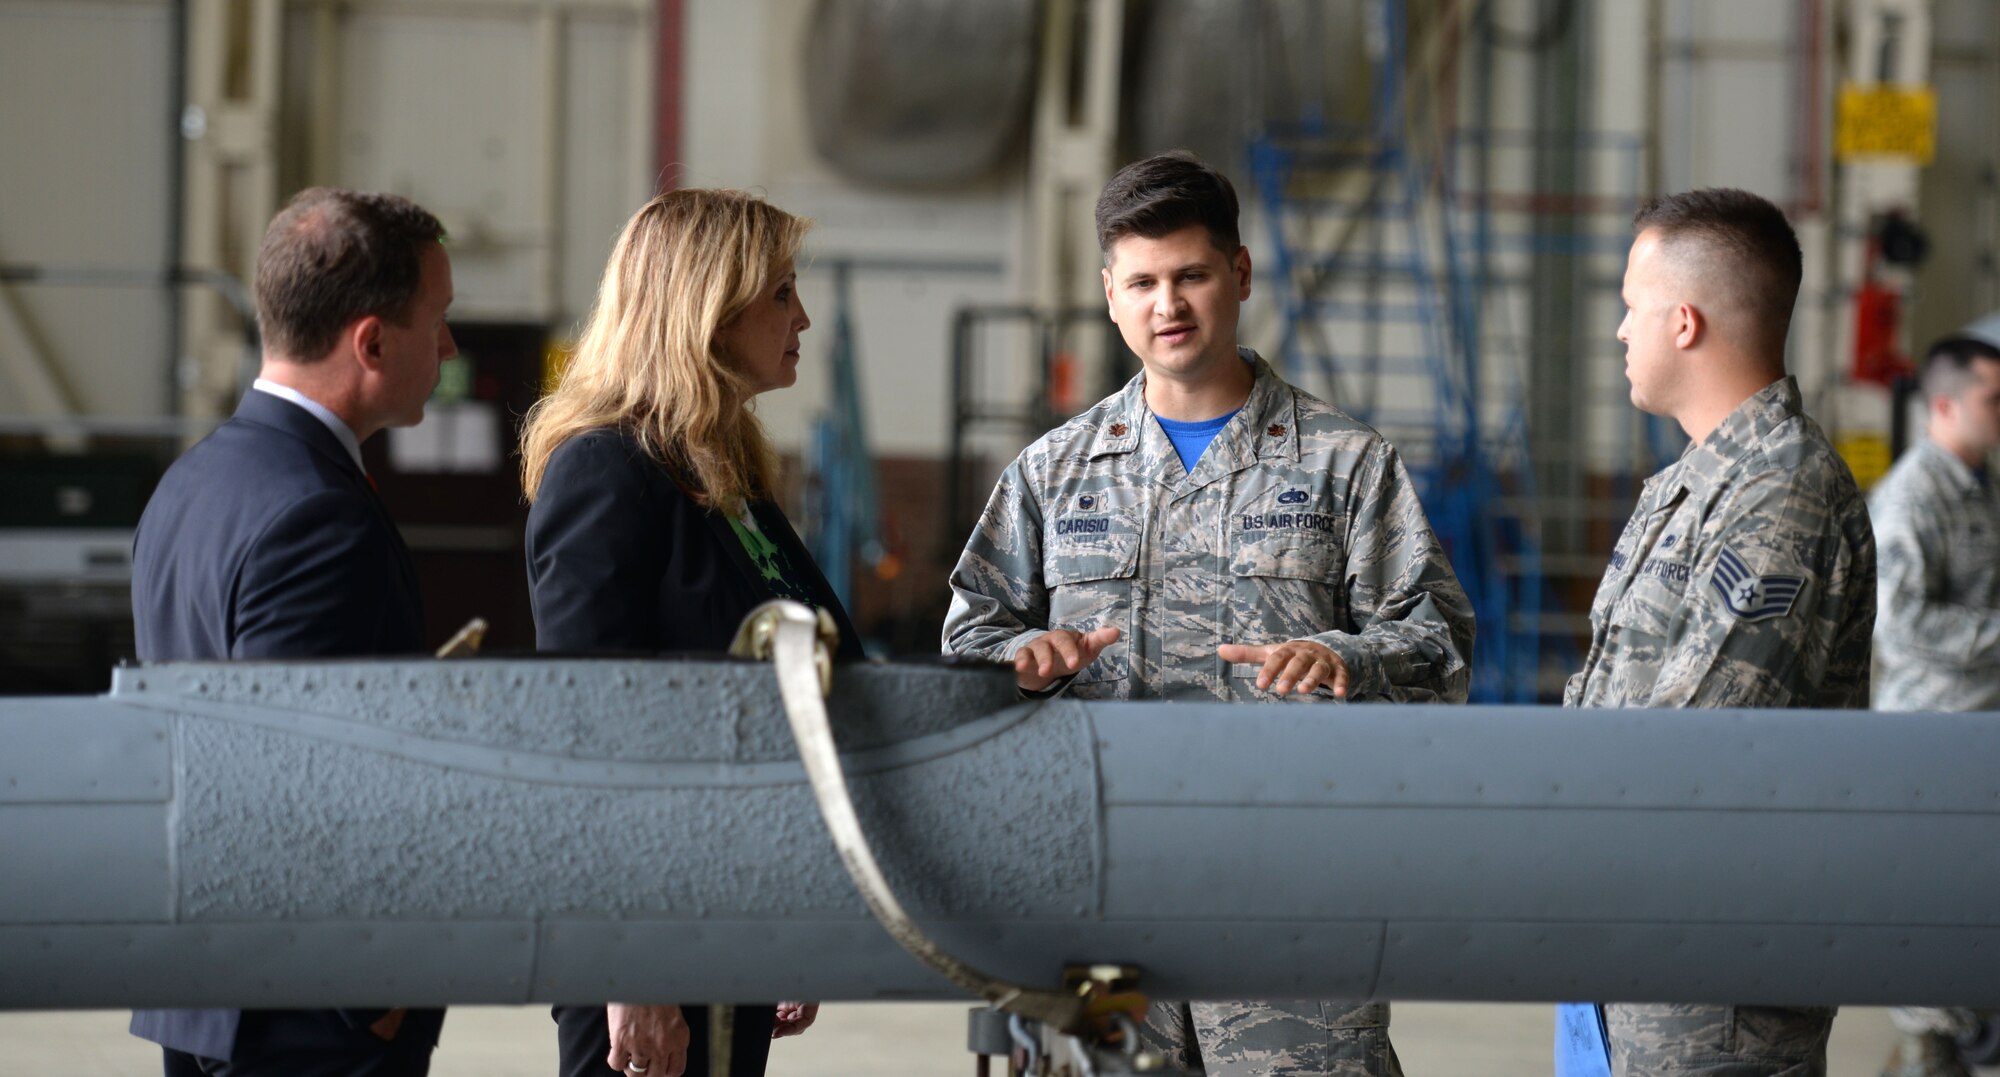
{"x":1397,"y":334}
{"x":844,"y":514}
{"x":1415,"y":371}
{"x":1503,"y":226}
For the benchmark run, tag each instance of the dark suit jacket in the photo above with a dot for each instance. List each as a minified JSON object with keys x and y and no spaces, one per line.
{"x":266,"y":541}
{"x":620,"y":558}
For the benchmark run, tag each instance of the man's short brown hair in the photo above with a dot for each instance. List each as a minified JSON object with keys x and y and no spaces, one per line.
{"x":1948,"y":365}
{"x":332,"y":256}
{"x":1163,"y":194}
{"x":1738,"y":240}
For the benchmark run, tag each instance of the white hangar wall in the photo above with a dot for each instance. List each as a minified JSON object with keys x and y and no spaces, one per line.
{"x":535,"y":145}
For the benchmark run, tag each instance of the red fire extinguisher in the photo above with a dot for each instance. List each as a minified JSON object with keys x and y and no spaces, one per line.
{"x":1878,"y":306}
{"x":1878,"y":312}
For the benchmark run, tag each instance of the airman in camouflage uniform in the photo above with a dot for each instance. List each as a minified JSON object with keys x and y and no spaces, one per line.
{"x":1298,"y":522}
{"x":1746,"y":575}
{"x":1130,"y":566}
{"x":1745,"y":578}
{"x":1937,"y":631}
{"x":1937,"y":637}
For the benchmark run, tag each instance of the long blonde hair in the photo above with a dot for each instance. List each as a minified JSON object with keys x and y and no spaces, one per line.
{"x":686,"y":265}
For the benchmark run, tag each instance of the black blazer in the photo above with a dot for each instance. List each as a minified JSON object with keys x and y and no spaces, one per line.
{"x":266,"y":541}
{"x":620,"y":558}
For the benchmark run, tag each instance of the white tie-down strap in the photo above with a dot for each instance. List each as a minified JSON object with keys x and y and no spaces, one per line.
{"x":800,"y":641}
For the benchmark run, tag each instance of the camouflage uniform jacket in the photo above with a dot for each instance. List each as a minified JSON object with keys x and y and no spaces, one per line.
{"x":1937,"y":634}
{"x":1745,"y":578}
{"x":1296,"y":523}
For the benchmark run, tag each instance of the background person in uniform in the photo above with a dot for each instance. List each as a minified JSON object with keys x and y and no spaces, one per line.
{"x":266,"y":540}
{"x":1937,"y":625}
{"x":1746,"y":576}
{"x":1210,"y":532}
{"x":653,"y":526}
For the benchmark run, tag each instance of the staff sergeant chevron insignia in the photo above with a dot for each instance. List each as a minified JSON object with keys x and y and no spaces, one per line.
{"x":1749,"y":596}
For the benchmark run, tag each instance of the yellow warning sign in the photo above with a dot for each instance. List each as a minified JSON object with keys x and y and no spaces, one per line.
{"x":1867,"y":455}
{"x":1884,"y":121}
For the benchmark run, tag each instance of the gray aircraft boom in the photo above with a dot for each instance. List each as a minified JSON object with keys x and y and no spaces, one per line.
{"x":575,"y":830}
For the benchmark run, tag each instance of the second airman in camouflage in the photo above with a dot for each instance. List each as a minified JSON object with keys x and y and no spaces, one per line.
{"x":1746,"y":576}
{"x":1937,"y":529}
{"x":1211,"y":532}
{"x":1937,"y":631}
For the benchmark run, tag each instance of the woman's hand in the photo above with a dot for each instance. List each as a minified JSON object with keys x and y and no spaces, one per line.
{"x":652,"y":1040}
{"x":793,"y":1018}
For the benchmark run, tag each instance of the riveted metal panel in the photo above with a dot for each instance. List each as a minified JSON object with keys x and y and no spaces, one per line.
{"x":84,"y":863}
{"x":357,"y":821}
{"x":317,"y":964}
{"x":748,"y":961}
{"x":1580,"y":864}
{"x":1548,"y":757}
{"x":1754,"y":964}
{"x":577,"y":711}
{"x":82,"y":751}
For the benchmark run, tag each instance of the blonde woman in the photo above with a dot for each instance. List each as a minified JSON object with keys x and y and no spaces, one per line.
{"x":653,"y":526}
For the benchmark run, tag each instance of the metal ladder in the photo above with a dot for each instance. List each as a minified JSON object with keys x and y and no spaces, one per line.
{"x":1390,"y":334}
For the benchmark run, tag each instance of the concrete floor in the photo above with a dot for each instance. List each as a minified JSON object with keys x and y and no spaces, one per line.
{"x":874,"y":1039}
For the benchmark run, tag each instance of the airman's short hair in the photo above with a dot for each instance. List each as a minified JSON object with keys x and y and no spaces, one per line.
{"x":1738,"y":241}
{"x":1163,"y":194}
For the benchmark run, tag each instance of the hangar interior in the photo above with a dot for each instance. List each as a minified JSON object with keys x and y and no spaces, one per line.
{"x":1437,"y":199}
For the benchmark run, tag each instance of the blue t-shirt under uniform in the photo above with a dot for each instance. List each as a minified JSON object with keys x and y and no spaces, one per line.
{"x":1191,"y":439}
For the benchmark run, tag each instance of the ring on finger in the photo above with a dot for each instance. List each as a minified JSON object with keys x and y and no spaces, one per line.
{"x":635,"y":1067}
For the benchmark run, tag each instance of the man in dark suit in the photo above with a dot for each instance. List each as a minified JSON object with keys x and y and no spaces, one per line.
{"x":266,"y":540}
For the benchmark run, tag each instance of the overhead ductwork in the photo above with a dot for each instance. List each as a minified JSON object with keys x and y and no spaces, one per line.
{"x":918,"y":93}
